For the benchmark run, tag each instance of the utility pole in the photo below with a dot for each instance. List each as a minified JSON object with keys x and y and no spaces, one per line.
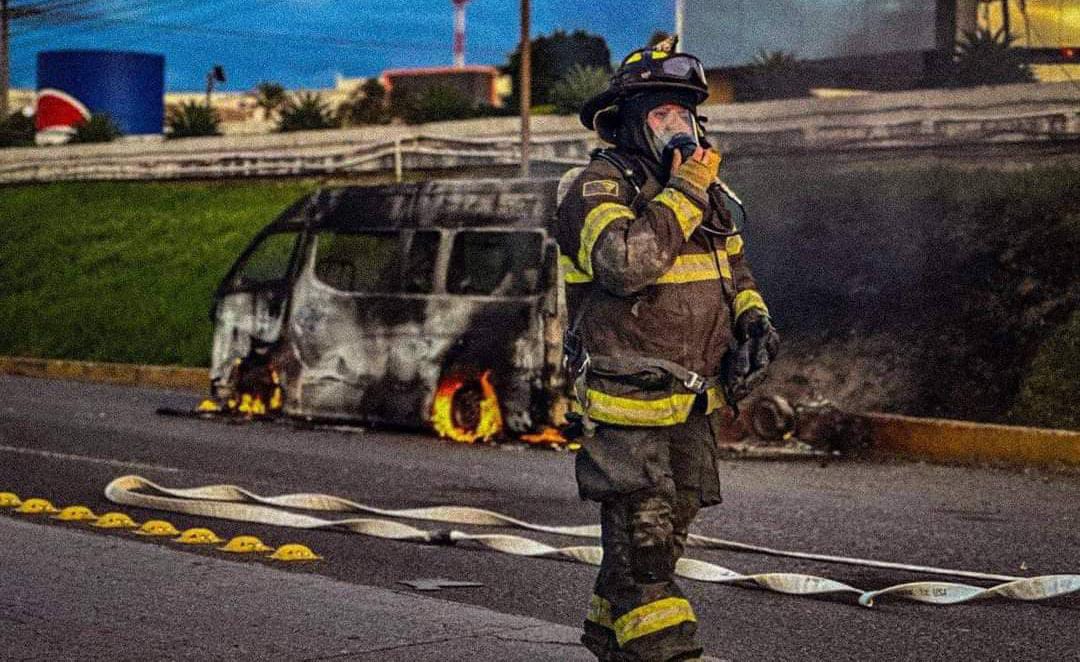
{"x":525,"y":75}
{"x":5,"y":68}
{"x":1005,"y":21}
{"x":679,"y":13}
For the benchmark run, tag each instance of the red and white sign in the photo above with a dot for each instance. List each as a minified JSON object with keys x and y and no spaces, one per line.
{"x":59,"y":111}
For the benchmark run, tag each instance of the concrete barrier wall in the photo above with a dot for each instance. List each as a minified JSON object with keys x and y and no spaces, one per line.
{"x":1039,"y":114}
{"x":196,"y":380}
{"x":943,"y":440}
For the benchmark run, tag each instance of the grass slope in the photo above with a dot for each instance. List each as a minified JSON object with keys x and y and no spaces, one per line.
{"x":123,"y":271}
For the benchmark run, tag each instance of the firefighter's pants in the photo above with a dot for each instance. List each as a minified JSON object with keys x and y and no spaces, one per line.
{"x":650,"y":483}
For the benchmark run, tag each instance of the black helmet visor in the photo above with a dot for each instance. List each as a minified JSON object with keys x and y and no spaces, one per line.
{"x":678,"y":67}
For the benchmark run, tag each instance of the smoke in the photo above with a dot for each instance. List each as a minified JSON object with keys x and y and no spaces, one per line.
{"x":731,"y":32}
{"x":882,"y":26}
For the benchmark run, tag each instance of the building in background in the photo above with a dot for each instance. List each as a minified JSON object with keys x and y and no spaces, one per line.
{"x":872,"y":45}
{"x":74,"y":84}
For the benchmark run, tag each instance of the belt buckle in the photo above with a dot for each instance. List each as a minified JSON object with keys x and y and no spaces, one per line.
{"x":695,"y":383}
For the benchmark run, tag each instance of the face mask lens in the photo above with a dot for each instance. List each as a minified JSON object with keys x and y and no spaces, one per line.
{"x":666,"y":122}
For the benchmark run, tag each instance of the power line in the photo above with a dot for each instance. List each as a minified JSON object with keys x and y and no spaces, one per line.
{"x":257,"y":35}
{"x":86,"y":20}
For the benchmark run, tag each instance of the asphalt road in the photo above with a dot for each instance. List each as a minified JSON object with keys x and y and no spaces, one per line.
{"x":66,"y":441}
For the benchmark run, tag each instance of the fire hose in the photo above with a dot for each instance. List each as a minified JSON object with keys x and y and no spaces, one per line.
{"x":235,"y":503}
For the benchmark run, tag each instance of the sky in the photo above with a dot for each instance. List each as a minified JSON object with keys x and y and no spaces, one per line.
{"x":306,"y":43}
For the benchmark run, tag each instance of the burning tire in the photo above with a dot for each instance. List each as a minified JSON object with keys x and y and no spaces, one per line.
{"x":772,"y":418}
{"x":466,"y":409}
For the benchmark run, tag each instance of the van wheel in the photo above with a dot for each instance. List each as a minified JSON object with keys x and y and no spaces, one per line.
{"x":465,"y":407}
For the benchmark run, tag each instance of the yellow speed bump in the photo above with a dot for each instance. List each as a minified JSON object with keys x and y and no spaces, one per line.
{"x":198,"y":537}
{"x":245,"y":545}
{"x":36,"y":507}
{"x":115,"y":521}
{"x":295,"y":552}
{"x":157,"y":527}
{"x":76,"y":514}
{"x":9,"y":500}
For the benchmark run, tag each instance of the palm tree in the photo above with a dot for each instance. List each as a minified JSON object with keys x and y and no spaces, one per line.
{"x":986,"y":58}
{"x":304,"y":112}
{"x":192,"y":119}
{"x":579,"y":84}
{"x":269,"y":96}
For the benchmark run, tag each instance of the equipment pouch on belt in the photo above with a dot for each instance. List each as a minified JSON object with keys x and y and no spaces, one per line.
{"x":644,"y":377}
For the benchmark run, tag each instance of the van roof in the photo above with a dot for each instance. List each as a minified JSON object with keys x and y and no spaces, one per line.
{"x":438,"y":203}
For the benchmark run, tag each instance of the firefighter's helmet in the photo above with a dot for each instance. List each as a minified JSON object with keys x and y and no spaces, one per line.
{"x":654,"y":69}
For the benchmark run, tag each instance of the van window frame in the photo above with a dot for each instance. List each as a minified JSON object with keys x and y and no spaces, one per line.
{"x":228,"y":284}
{"x":447,"y":237}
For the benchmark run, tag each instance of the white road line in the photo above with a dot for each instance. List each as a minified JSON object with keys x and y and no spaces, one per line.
{"x":83,"y":458}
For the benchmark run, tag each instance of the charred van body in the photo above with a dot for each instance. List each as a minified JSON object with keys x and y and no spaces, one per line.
{"x":364,"y":303}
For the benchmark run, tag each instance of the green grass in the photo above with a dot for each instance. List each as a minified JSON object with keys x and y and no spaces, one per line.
{"x":123,"y":272}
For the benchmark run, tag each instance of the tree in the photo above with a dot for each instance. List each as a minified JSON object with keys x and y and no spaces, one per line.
{"x":365,"y":105}
{"x":269,"y":96}
{"x":192,"y":119}
{"x":986,"y":58}
{"x":774,"y":75}
{"x":578,"y":86}
{"x":305,"y":111}
{"x":552,"y":58}
{"x":100,"y":128}
{"x":438,"y":104}
{"x":17,"y":130}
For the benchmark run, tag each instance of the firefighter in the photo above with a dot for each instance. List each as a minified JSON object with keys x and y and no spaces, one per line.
{"x":667,"y":331}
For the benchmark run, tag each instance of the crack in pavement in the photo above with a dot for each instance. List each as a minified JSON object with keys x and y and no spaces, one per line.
{"x":497,"y":634}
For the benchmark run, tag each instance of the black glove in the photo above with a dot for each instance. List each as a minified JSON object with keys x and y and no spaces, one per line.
{"x":757,"y":345}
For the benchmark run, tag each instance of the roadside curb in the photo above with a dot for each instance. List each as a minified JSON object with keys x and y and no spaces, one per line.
{"x":168,"y":377}
{"x":944,"y":440}
{"x":934,"y":439}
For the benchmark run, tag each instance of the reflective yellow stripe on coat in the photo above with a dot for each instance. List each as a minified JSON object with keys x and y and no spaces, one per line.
{"x":596,"y":221}
{"x":599,"y":612}
{"x":671,"y":409}
{"x":686,"y":269}
{"x":653,"y":617}
{"x":571,"y":274}
{"x":696,"y":267}
{"x":748,"y":299}
{"x":686,"y":212}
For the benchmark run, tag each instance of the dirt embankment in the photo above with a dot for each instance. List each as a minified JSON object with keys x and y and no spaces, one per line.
{"x":928,"y":292}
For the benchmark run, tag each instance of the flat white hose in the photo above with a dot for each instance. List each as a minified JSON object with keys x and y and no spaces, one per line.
{"x":235,"y":503}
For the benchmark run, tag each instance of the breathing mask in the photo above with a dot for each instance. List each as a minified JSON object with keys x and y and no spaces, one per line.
{"x":672,"y":128}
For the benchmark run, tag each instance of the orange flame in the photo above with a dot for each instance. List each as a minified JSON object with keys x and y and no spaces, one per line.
{"x":249,"y":405}
{"x":461,"y":414}
{"x":548,"y":435}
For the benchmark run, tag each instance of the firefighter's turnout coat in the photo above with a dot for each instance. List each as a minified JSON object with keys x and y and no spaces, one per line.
{"x":643,"y":282}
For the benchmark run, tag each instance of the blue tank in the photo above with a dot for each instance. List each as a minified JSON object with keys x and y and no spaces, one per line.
{"x":129,"y":86}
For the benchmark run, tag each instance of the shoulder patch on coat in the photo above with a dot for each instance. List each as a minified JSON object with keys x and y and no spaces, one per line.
{"x":600,"y":187}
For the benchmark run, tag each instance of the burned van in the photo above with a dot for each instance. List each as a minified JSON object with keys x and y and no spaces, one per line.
{"x":431,"y":304}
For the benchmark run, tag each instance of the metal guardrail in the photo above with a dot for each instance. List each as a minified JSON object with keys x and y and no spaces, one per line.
{"x":412,"y":153}
{"x":1026,"y":115}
